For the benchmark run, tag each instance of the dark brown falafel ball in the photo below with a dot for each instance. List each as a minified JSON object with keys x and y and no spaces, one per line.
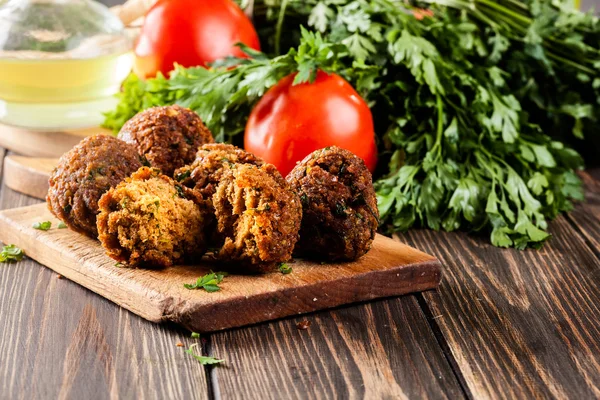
{"x":150,"y":220}
{"x":258,"y":217}
{"x":340,"y":214}
{"x":208,"y":168}
{"x":83,"y":174}
{"x":168,"y":136}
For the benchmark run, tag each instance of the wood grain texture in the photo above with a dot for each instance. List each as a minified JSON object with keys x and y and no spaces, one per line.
{"x":380,"y":350}
{"x":389,"y":269}
{"x":43,"y":144}
{"x":519,"y":324}
{"x":28,"y":175}
{"x":586,"y":216}
{"x":59,"y":340}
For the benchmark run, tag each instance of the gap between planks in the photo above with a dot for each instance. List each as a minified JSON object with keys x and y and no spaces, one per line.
{"x":443,"y":344}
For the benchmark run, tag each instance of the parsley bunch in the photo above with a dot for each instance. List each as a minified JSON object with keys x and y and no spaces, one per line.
{"x":463,"y":142}
{"x":550,"y":53}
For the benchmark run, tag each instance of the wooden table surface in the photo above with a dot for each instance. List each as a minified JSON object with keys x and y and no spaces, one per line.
{"x":503,"y":324}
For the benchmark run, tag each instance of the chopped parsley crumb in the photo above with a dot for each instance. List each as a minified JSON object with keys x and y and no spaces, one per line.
{"x":183,"y":175}
{"x":304,"y":199}
{"x":202,"y":359}
{"x":11,"y":253}
{"x":195,"y":335}
{"x":180,"y":192}
{"x":209,"y":282}
{"x":340,"y":209}
{"x":284,"y":268}
{"x":42,"y":226}
{"x":61,"y":225}
{"x":144,"y":161}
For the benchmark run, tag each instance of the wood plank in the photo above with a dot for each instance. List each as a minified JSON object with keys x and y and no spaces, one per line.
{"x":586,"y":216}
{"x":383,"y":349}
{"x":59,"y":340}
{"x":519,"y":324}
{"x":28,"y":175}
{"x":389,"y":269}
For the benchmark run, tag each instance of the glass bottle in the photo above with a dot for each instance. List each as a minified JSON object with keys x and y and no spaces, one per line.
{"x":61,"y":63}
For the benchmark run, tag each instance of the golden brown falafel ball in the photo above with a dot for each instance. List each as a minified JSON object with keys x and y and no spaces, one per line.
{"x":258,"y":217}
{"x":208,"y":168}
{"x":168,"y":136}
{"x":83,"y":174}
{"x":151,"y":220}
{"x":340,"y":214}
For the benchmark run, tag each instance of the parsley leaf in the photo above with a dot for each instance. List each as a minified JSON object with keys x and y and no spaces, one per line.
{"x":203,"y":359}
{"x":11,"y":253}
{"x":284,"y":268}
{"x":42,"y":226}
{"x":61,"y":225}
{"x":209,"y":282}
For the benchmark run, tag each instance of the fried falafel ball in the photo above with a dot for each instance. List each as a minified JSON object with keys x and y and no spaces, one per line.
{"x":212,"y":160}
{"x":340,"y":215}
{"x":168,"y":137}
{"x":150,"y":220}
{"x":83,"y":174}
{"x":258,"y":218}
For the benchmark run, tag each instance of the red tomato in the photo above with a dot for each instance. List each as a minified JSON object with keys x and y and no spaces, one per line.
{"x":191,"y":33}
{"x":290,"y":122}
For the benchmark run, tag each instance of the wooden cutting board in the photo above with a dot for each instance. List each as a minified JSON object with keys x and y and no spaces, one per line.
{"x":28,"y":175}
{"x":41,"y":143}
{"x":391,"y":268}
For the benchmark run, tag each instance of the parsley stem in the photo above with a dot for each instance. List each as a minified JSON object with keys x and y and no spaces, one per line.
{"x":440,"y":123}
{"x":506,"y":11}
{"x":279,"y":26}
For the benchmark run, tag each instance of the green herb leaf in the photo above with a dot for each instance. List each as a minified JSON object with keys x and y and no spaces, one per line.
{"x":42,"y":226}
{"x":284,"y":268}
{"x":195,"y":335}
{"x":203,"y":359}
{"x":11,"y":253}
{"x":61,"y":225}
{"x":209,"y":282}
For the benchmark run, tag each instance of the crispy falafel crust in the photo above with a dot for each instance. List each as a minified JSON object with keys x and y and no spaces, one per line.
{"x":168,"y":137}
{"x":212,"y":160}
{"x":258,"y":216}
{"x":83,"y":174}
{"x":340,"y":215}
{"x":150,"y":220}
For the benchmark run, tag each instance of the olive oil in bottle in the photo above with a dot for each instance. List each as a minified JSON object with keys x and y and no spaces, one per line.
{"x":60,"y":93}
